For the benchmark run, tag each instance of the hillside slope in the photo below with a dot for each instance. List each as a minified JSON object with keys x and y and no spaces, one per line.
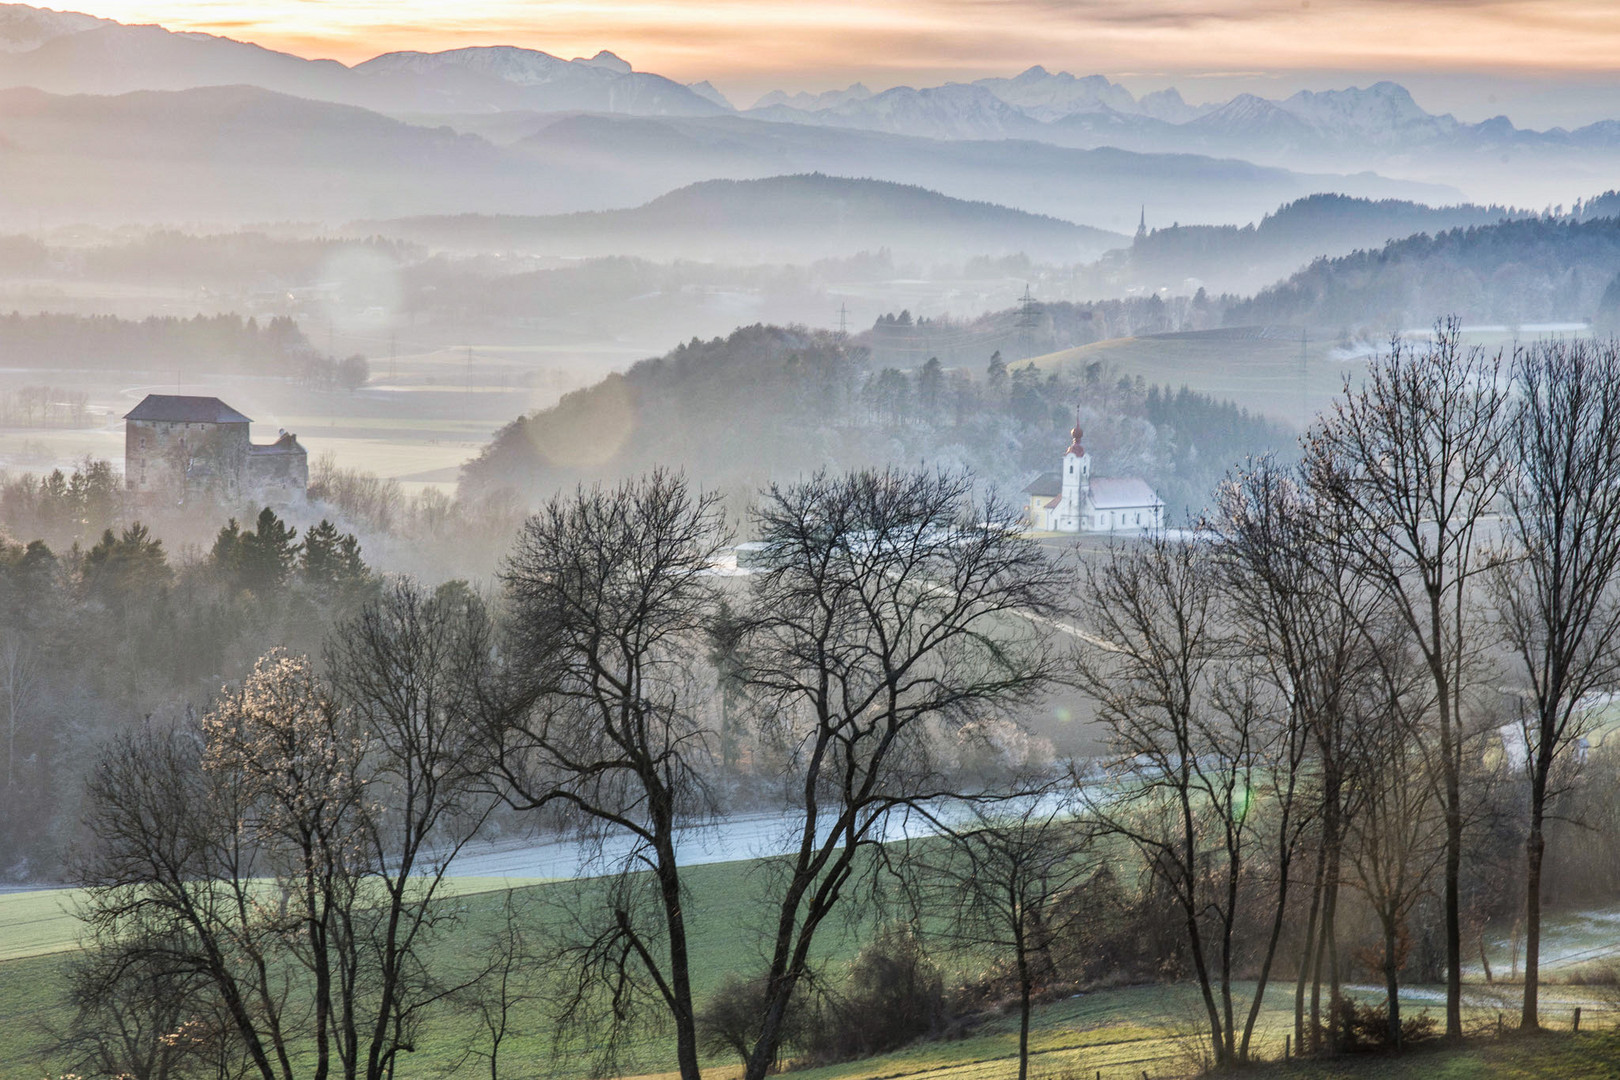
{"x":767,"y":403}
{"x":1228,"y":259}
{"x":783,"y":218}
{"x":1536,"y":270}
{"x":1102,"y":188}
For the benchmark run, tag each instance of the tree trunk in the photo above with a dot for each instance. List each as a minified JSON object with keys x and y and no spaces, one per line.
{"x":1392,"y":985}
{"x":1284,"y":864}
{"x":1453,"y":908}
{"x":1535,"y":846}
{"x":1330,"y":945}
{"x":1201,"y":968}
{"x":1023,"y":1015}
{"x":1333,"y":837}
{"x":683,"y":1013}
{"x":1306,"y":957}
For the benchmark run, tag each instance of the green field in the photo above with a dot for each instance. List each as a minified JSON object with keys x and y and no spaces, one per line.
{"x":1117,"y":1033}
{"x":39,"y":935}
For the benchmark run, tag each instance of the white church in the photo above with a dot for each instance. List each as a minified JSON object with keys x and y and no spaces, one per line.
{"x":1075,"y":501}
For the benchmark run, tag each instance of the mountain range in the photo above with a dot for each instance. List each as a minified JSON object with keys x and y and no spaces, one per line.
{"x":67,"y":53}
{"x":233,"y":154}
{"x":508,"y":94}
{"x":1370,"y":121}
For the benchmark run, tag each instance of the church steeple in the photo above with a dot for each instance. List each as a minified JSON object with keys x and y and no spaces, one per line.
{"x":1070,"y":514}
{"x":1141,"y":225}
{"x":1074,"y":436}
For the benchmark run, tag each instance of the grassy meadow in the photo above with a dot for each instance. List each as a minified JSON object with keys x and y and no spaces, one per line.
{"x":1117,"y":1034}
{"x":1261,"y":374}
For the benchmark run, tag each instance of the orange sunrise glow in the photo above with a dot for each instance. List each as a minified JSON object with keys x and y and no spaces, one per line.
{"x":742,"y":43}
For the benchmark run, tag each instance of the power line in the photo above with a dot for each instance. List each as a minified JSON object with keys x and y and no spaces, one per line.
{"x":1029,"y":317}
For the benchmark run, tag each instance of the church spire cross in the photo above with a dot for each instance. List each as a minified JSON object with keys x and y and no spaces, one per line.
{"x":1074,"y":436}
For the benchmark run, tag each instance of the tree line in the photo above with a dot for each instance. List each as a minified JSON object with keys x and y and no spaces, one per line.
{"x":1537,"y":269}
{"x":95,"y":636}
{"x":768,"y":401}
{"x":1366,"y":661}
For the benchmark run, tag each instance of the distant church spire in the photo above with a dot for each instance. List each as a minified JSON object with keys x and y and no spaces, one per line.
{"x":1141,"y":226}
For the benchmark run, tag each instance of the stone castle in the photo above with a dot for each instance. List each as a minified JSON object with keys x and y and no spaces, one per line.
{"x":176,"y":446}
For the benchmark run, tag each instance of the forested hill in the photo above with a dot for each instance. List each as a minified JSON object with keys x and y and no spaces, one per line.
{"x":1528,"y":271}
{"x":771,"y":402}
{"x":810,"y":215}
{"x":1232,"y":259}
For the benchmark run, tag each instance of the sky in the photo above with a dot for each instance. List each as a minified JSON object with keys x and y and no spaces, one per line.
{"x":1542,"y":62}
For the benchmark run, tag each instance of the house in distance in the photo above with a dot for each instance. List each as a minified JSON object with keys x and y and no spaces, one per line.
{"x":176,"y":446}
{"x":1072,"y":500}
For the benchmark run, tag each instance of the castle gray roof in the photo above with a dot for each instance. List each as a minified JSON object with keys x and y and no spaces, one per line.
{"x":179,"y":408}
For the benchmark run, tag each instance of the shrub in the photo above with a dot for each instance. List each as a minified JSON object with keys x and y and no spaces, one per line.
{"x":729,"y":1021}
{"x":892,"y":995}
{"x":1365,"y":1028}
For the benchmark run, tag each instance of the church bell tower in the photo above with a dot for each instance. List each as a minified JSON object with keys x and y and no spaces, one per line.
{"x":1076,"y":482}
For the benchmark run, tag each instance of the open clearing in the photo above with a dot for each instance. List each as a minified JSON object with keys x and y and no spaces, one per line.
{"x":1259,"y":368}
{"x":1281,"y":372}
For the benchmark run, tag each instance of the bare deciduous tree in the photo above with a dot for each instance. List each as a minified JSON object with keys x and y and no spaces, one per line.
{"x":1397,"y":842}
{"x":287,"y":852}
{"x":1197,"y":748}
{"x":611,"y":598}
{"x":1556,"y":594}
{"x":896,"y":605}
{"x":1301,"y":611}
{"x":507,"y":987}
{"x":1002,"y":883}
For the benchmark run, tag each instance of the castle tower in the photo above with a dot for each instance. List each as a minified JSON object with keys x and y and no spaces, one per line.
{"x":1076,"y":482}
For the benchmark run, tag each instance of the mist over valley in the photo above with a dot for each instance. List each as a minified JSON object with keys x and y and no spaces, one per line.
{"x":579,"y":541}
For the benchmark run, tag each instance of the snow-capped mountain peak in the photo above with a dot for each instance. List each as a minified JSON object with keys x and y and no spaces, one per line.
{"x":606,"y":61}
{"x":524,"y":67}
{"x":1046,"y":97}
{"x":24,"y":28}
{"x":1380,"y":112}
{"x":1167,"y":105}
{"x":709,"y":92}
